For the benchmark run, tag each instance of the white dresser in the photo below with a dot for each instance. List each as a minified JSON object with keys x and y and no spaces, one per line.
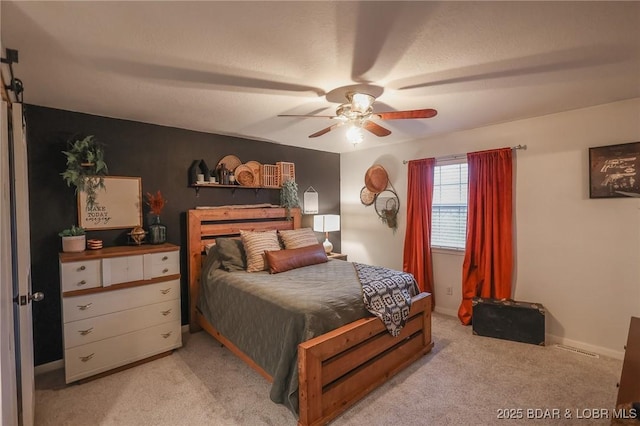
{"x":120,"y":305}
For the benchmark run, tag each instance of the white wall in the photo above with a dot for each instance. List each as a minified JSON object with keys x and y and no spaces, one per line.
{"x":577,"y":256}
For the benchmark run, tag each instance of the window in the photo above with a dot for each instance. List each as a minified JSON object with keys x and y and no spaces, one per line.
{"x":449,"y":210}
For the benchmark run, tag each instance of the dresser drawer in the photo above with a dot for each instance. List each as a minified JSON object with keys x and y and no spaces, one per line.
{"x":80,"y":275}
{"x":91,"y":305}
{"x":90,"y":330}
{"x":97,"y":357}
{"x":116,"y":270}
{"x":161,"y":264}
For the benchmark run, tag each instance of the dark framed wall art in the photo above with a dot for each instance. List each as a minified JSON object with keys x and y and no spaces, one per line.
{"x":613,"y":171}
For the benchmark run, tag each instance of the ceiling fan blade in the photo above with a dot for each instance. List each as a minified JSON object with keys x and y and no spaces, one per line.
{"x":416,"y":113}
{"x":323,"y":131}
{"x":306,"y":116}
{"x":376,"y":129}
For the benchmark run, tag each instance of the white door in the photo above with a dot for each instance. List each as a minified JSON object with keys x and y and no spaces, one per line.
{"x":9,"y":389}
{"x":22,"y":250}
{"x":18,"y":388}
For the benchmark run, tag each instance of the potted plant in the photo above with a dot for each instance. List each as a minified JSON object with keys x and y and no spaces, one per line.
{"x":289,"y":196}
{"x":73,"y":239}
{"x":86,"y":167}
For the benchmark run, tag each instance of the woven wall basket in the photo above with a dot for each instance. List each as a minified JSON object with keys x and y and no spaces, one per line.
{"x":376,"y":179}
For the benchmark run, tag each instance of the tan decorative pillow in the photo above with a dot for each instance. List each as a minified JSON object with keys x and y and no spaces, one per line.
{"x":286,"y":260}
{"x":296,"y":238}
{"x":255,"y":243}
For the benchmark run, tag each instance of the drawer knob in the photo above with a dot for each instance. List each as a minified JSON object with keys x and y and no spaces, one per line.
{"x":82,"y":268}
{"x":83,"y":282}
{"x":87,"y":358}
{"x":165,"y":258}
{"x":167,"y":312}
{"x":165,"y":270}
{"x":85,"y":307}
{"x":85,"y":332}
{"x":165,"y":291}
{"x":165,"y":335}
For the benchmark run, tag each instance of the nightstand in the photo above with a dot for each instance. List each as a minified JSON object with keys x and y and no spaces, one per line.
{"x":337,"y":256}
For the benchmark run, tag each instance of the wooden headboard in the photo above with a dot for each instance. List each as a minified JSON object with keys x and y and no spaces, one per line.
{"x":204,"y":225}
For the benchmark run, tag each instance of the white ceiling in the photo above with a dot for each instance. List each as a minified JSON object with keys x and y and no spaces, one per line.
{"x":231,"y":67}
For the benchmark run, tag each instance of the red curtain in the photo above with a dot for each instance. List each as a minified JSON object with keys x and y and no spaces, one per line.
{"x":417,"y":239}
{"x":488,"y":260}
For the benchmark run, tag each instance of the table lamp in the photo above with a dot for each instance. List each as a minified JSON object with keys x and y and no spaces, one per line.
{"x":326,"y":223}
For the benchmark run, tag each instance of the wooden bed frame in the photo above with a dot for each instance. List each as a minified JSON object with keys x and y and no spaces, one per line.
{"x":336,"y":369}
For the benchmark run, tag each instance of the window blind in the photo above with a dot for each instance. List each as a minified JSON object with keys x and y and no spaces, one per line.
{"x":449,"y":209}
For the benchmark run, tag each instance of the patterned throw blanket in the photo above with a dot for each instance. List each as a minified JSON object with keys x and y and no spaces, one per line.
{"x":387,"y":294}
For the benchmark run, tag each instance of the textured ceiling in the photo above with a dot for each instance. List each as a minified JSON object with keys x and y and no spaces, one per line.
{"x":232,"y":67}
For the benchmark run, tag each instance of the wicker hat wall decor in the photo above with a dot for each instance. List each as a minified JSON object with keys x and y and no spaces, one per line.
{"x":376,"y":179}
{"x":378,"y":191}
{"x":367,"y":197}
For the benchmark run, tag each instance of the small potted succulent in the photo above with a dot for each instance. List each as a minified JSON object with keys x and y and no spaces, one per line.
{"x":73,"y":239}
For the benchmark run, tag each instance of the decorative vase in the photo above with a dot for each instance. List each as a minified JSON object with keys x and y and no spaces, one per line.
{"x":157,"y":231}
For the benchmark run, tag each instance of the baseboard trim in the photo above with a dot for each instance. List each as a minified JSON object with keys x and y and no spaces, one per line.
{"x":48,"y":367}
{"x":185,"y":329}
{"x":552,"y":339}
{"x":446,"y":311}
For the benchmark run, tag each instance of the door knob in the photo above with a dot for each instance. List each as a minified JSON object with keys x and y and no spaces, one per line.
{"x":22,"y":300}
{"x":37,"y":296}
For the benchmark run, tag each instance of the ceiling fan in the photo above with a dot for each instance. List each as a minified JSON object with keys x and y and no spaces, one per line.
{"x":358,"y":113}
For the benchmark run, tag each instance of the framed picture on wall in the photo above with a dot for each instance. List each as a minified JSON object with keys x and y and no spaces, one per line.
{"x":118,"y":205}
{"x":613,"y":171}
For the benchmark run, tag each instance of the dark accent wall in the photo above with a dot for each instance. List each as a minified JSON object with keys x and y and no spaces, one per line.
{"x":161,"y":156}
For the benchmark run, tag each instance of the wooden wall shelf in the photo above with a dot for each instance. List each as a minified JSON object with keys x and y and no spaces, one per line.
{"x":198,"y":186}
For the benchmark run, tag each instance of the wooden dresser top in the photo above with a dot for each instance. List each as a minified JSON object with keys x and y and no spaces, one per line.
{"x":117,"y":251}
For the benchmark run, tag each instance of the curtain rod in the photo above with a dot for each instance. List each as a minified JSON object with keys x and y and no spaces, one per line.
{"x":456,"y":156}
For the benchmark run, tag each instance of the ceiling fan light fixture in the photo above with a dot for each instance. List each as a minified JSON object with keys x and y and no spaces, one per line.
{"x":360,"y":102}
{"x":344,"y":114}
{"x":358,"y":115}
{"x":355,"y":134}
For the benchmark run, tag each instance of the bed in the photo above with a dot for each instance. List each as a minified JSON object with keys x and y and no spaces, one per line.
{"x":331,"y":371}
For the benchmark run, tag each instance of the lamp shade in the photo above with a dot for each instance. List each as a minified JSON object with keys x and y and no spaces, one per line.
{"x":326,"y":222}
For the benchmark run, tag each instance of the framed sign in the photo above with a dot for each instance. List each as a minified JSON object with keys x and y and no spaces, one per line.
{"x":613,"y":171}
{"x":310,"y":201}
{"x":118,"y":204}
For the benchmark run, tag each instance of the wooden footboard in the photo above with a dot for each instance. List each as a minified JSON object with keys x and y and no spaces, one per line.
{"x":340,"y":367}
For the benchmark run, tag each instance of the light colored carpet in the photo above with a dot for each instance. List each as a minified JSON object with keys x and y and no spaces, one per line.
{"x":466,"y":379}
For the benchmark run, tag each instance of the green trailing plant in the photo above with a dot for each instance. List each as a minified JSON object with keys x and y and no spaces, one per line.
{"x":289,"y":196}
{"x":74,"y":231}
{"x":86,"y":167}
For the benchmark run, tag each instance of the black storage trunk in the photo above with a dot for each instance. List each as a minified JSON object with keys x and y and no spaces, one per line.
{"x":509,"y":320}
